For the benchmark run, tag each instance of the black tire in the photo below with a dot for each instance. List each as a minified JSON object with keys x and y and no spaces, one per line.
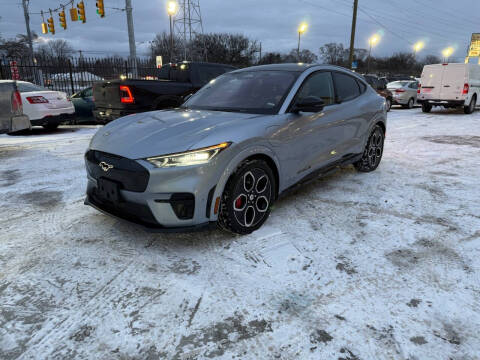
{"x":471,"y":107}
{"x":388,"y":104}
{"x":244,"y":208}
{"x":372,"y":155}
{"x":426,"y":108}
{"x":50,"y":126}
{"x":410,"y":104}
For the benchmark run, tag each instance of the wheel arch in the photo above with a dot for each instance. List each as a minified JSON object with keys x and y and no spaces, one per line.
{"x":258,"y":152}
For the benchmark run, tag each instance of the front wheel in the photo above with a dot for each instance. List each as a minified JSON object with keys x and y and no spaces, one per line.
{"x":372,"y":155}
{"x":470,"y":108}
{"x":247,"y":198}
{"x":426,"y":108}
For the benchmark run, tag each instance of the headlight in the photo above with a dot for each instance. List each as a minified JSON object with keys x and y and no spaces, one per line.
{"x":187,"y":158}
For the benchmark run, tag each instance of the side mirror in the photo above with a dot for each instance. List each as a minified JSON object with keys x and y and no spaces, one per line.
{"x":309,"y":104}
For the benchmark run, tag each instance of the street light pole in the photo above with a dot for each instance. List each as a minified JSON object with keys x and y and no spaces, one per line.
{"x":301,"y":29}
{"x":298,"y":47}
{"x":171,"y":38}
{"x":372,"y":41}
{"x":352,"y":36}
{"x":171,"y":10}
{"x":369,"y":57}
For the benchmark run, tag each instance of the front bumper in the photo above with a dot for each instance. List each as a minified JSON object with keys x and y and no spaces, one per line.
{"x":161,"y":199}
{"x":145,"y":224}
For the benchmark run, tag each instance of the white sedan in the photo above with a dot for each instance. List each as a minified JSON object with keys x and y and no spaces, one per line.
{"x":45,"y":107}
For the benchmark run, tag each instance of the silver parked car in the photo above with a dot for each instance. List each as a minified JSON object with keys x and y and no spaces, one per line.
{"x":241,"y":141}
{"x":12,"y":118}
{"x":404,"y":93}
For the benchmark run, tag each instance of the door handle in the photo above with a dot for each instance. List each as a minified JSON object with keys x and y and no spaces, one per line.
{"x":446,"y":85}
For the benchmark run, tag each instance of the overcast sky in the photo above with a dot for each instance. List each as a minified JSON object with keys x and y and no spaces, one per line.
{"x":440,"y":23}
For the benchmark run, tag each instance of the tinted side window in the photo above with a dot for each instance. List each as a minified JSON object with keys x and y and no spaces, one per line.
{"x":413,"y":86}
{"x":363,"y":87}
{"x":320,"y":85}
{"x":346,"y":86}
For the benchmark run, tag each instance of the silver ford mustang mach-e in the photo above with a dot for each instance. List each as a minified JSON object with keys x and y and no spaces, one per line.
{"x":234,"y":147}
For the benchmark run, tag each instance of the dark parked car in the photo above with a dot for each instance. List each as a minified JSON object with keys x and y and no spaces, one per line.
{"x":83,"y":102}
{"x":84,"y":105}
{"x":117,"y":98}
{"x":380,"y":86}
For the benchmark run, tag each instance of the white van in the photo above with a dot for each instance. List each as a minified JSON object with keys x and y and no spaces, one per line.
{"x":449,"y":85}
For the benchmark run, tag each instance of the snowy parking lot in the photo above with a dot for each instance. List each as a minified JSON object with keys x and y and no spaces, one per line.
{"x":383,"y":265}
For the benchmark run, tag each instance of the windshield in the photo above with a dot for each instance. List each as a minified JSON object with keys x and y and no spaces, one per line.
{"x":256,"y":92}
{"x":398,"y":84}
{"x":28,"y":87}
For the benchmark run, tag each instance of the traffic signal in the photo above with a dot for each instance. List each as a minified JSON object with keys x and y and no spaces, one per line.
{"x":100,"y":8}
{"x":81,"y":11}
{"x":51,"y":25}
{"x":63,"y":21}
{"x":44,"y":28}
{"x":73,"y":14}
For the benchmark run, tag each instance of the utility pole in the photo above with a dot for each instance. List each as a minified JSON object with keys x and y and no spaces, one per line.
{"x":352,"y":37}
{"x":131,"y":36}
{"x":27,"y":23}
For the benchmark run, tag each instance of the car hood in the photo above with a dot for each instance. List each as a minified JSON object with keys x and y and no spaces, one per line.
{"x":162,"y":132}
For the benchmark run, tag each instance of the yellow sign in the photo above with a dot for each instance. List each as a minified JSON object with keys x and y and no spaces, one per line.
{"x":474,"y":49}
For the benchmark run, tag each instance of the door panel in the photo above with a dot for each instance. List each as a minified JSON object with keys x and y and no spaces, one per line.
{"x":304,"y":140}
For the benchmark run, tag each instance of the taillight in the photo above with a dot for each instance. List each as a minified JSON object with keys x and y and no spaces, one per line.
{"x":419,"y":88}
{"x":126,"y":96}
{"x":36,"y":100}
{"x":466,"y":88}
{"x":399,"y":91}
{"x":16,"y":102}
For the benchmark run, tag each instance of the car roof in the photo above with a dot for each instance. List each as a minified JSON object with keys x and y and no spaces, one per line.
{"x":292,"y":67}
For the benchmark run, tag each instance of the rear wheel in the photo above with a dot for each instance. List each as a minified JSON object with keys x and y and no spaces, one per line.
{"x":426,"y":108}
{"x":247,"y":198}
{"x":373,"y":152}
{"x":50,"y":126}
{"x":471,"y":108}
{"x":410,"y":103}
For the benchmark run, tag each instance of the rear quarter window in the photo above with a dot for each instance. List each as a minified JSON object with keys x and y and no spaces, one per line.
{"x":346,"y":87}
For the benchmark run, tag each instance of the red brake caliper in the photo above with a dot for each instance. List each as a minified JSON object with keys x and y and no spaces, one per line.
{"x":238,"y":202}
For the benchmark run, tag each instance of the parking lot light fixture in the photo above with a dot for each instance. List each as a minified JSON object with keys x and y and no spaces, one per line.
{"x":302,"y":28}
{"x":374,"y":40}
{"x":418,"y":46}
{"x":172,"y":8}
{"x":447,"y":52}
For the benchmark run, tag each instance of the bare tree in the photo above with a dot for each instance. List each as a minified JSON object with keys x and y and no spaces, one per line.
{"x":333,"y":53}
{"x":16,"y":47}
{"x":161,"y":45}
{"x":234,"y":49}
{"x":58,"y":48}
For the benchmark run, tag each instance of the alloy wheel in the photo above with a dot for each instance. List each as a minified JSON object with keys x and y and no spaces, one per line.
{"x":374,"y":149}
{"x":252,"y":196}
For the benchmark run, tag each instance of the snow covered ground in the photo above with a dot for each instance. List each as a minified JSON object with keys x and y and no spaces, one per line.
{"x":382,"y":265}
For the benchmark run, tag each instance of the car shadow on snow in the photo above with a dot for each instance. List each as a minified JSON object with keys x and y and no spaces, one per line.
{"x":38,"y":130}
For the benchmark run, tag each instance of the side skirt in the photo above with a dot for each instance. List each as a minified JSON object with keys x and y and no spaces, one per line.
{"x":323,"y":171}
